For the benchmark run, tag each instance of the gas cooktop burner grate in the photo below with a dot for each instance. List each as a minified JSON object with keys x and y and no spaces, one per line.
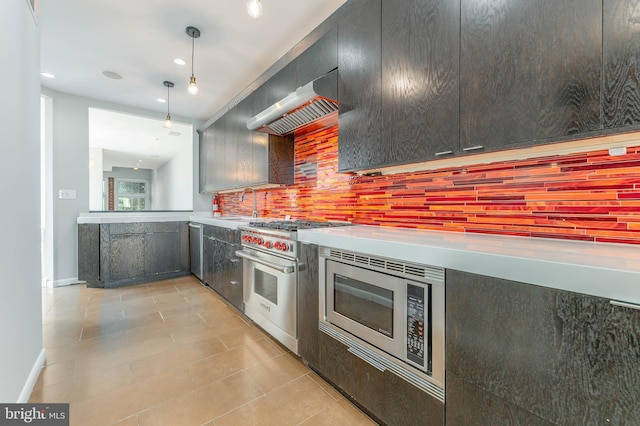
{"x":294,"y":225}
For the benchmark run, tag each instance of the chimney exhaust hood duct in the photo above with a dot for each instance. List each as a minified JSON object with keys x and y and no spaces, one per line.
{"x":310,"y":103}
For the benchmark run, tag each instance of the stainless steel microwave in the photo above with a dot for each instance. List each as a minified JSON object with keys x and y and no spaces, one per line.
{"x":388,"y":305}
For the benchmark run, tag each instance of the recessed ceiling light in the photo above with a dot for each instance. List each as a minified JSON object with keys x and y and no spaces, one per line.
{"x":47,"y":75}
{"x":180,"y":61}
{"x":112,"y":75}
{"x":161,"y":100}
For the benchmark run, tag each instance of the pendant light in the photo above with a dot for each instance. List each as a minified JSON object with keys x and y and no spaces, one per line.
{"x":194,"y":33}
{"x":254,"y":8}
{"x":167,"y":123}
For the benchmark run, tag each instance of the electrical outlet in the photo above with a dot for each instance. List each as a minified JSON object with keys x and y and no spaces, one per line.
{"x":67,"y":194}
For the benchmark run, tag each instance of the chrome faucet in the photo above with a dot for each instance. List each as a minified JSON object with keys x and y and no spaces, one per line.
{"x":255,"y":201}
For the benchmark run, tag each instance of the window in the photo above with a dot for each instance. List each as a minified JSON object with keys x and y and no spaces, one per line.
{"x":131,"y":194}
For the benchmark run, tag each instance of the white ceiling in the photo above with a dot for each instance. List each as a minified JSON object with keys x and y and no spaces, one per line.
{"x":139,"y":39}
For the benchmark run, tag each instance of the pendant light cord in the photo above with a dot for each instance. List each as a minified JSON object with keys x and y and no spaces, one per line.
{"x":168,"y":101}
{"x":193,"y":41}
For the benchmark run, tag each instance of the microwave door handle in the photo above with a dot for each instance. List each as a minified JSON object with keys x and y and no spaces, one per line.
{"x":283,"y":269}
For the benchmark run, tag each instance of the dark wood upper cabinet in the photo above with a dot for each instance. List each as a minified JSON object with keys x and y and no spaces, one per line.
{"x":244,"y":144}
{"x":320,"y":58}
{"x":281,"y":84}
{"x":420,"y":91}
{"x":529,"y":71}
{"x":359,"y":87}
{"x":621,"y":54}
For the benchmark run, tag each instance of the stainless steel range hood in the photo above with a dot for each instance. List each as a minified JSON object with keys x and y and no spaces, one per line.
{"x":312,"y":102}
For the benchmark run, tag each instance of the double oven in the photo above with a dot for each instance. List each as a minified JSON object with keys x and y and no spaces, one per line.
{"x":270,"y":267}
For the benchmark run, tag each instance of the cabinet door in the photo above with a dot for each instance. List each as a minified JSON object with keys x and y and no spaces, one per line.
{"x":244,"y":142}
{"x":530,"y":71}
{"x":281,"y":84}
{"x":525,"y":354}
{"x":208,"y":250}
{"x":230,"y":163}
{"x":420,"y":96}
{"x":360,"y":142}
{"x":127,"y":257}
{"x":259,"y":158}
{"x":233,"y":291}
{"x":162,"y":253}
{"x":621,"y":54}
{"x":318,"y":59}
{"x":202,"y":163}
{"x":308,"y":304}
{"x":387,"y":396}
{"x":215,"y":156}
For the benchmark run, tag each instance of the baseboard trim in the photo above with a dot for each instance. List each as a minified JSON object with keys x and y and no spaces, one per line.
{"x":64,"y":282}
{"x":33,"y":378}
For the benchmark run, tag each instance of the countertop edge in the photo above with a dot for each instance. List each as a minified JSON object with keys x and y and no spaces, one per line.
{"x":588,"y":276}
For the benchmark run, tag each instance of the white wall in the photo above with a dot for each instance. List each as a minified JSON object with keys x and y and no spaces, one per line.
{"x":21,"y":350}
{"x":95,"y":179}
{"x":71,"y":171}
{"x":174,"y":183}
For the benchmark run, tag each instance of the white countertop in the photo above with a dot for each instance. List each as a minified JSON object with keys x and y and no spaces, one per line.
{"x":598,"y":269}
{"x":207,"y":218}
{"x":130,"y":217}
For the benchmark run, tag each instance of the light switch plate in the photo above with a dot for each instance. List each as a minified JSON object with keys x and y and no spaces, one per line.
{"x":67,"y":194}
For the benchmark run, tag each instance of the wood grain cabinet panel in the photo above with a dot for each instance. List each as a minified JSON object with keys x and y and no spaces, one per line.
{"x":398,"y":86}
{"x":161,"y":253}
{"x":89,"y":254}
{"x":222,"y":269}
{"x":621,"y":55}
{"x":384,"y":395}
{"x":529,"y":71}
{"x":320,"y":58}
{"x":308,"y":304}
{"x":282,"y":83}
{"x":420,"y":73}
{"x":126,"y":259}
{"x":524,"y":354}
{"x":359,"y":87}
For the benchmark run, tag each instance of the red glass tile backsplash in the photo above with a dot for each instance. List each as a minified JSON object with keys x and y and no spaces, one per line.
{"x":589,"y":196}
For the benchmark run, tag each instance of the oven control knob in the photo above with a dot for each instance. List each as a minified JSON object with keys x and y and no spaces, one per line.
{"x":268,"y":245}
{"x":258,"y":241}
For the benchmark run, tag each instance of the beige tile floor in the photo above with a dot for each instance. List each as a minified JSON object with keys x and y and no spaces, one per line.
{"x":174,"y":353}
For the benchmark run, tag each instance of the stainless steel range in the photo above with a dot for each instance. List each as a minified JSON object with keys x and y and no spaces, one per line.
{"x":270,"y":253}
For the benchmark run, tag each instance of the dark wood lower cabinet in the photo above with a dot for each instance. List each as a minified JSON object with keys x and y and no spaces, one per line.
{"x":222,"y":268}
{"x":117,"y":254}
{"x":385,"y":396}
{"x":308,"y":304}
{"x":89,"y":254}
{"x":524,"y":354}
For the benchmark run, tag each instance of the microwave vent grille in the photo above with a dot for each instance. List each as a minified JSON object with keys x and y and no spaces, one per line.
{"x":429,"y":273}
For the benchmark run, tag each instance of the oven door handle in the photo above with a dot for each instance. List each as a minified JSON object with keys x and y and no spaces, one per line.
{"x":283,"y":269}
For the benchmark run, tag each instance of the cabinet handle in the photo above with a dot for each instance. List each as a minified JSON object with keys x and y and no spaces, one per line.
{"x":625,"y":305}
{"x":473,"y":148}
{"x":441,"y":153}
{"x":367,"y":359}
{"x":234,"y":260}
{"x":234,"y":282}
